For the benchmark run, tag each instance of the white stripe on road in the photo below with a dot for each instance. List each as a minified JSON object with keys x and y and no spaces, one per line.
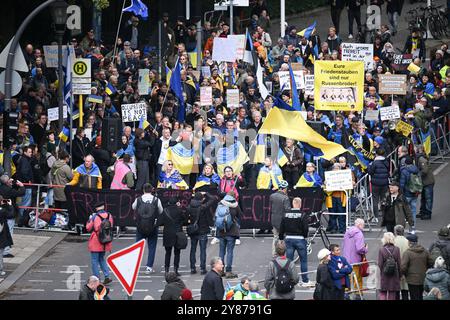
{"x":66,"y":290}
{"x":41,"y":271}
{"x":440,"y":168}
{"x":75,"y":265}
{"x":33,"y":290}
{"x":72,"y":272}
{"x":40,"y":280}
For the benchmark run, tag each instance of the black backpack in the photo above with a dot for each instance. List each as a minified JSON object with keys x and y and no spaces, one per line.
{"x":105,"y":233}
{"x":283,"y":278}
{"x":390,"y":266}
{"x":146,"y":216}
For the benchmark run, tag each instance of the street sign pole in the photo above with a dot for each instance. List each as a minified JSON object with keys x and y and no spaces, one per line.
{"x":231,"y":17}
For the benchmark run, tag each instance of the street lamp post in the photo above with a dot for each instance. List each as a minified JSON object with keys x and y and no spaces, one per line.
{"x":59,"y":14}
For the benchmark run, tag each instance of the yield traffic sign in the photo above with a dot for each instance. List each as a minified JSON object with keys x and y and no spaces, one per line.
{"x":125,"y":265}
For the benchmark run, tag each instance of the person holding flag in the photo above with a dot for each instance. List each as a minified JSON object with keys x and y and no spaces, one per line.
{"x":309,"y":179}
{"x":269,"y":176}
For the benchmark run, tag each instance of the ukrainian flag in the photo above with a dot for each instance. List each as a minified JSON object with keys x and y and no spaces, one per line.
{"x":294,"y":93}
{"x":182,"y":158}
{"x":287,"y":121}
{"x":308,"y":31}
{"x":260,"y":149}
{"x":281,"y":158}
{"x":143,"y":124}
{"x":425,"y":137}
{"x":233,"y":156}
{"x":95,"y":99}
{"x":306,"y":181}
{"x":110,"y":90}
{"x":168,"y":75}
{"x":64,"y":134}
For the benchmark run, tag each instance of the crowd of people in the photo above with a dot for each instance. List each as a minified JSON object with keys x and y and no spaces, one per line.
{"x":40,"y":153}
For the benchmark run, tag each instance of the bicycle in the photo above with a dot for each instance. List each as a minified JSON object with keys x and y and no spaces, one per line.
{"x":432,"y":18}
{"x":316,"y":222}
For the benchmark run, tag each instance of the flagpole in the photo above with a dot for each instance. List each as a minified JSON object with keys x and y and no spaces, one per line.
{"x":117,"y":34}
{"x":168,"y":89}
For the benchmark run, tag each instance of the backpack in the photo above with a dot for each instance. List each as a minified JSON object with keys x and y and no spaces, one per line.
{"x":105,"y":235}
{"x":390,"y":265}
{"x":283,"y":278}
{"x":43,"y":165}
{"x":415,"y":184}
{"x":224,"y":221}
{"x":146,"y":216}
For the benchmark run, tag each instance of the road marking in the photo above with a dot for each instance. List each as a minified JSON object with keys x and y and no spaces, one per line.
{"x":74,"y":265}
{"x":41,"y":280}
{"x":33,"y":290}
{"x":440,"y":168}
{"x":41,"y":271}
{"x":71,"y":272}
{"x":144,"y":281}
{"x":66,"y":290}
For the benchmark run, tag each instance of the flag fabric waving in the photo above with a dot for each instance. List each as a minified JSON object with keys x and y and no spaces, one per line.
{"x":182,"y":158}
{"x":110,"y":89}
{"x":138,"y":8}
{"x":286,"y":121}
{"x":175,"y":85}
{"x":294,"y":93}
{"x":64,"y":134}
{"x":233,"y":156}
{"x":68,"y":81}
{"x":425,"y":137}
{"x":308,"y":31}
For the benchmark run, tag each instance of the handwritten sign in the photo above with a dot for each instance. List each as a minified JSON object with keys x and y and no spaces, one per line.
{"x":53,"y":113}
{"x":392,"y":84}
{"x":390,"y":113}
{"x":338,"y":180}
{"x":401,"y":61}
{"x":144,"y":82}
{"x":233,"y":98}
{"x":359,"y":52}
{"x":285,"y":82}
{"x":205,"y":96}
{"x":309,"y":85}
{"x":206,"y":71}
{"x":51,"y":55}
{"x":134,"y":111}
{"x":404,"y":128}
{"x":371,"y":115}
{"x":225,"y":49}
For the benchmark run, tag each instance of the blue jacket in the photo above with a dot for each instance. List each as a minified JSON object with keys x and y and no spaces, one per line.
{"x":379,"y":171}
{"x":405,"y":174}
{"x":344,"y":271}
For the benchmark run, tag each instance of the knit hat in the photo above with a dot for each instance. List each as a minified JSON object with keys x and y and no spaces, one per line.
{"x":412,"y":238}
{"x":323,"y":253}
{"x":186,"y":294}
{"x":444,"y":232}
{"x":379,"y":140}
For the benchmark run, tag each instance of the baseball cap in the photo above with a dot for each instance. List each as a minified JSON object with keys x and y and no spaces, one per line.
{"x":412,"y":237}
{"x":127,"y":43}
{"x":323,"y":253}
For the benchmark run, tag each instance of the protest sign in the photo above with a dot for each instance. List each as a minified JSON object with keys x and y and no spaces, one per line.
{"x":404,"y":128}
{"x":225,"y":49}
{"x":205,"y":96}
{"x":51,"y":55}
{"x":53,"y":113}
{"x":371,"y":115}
{"x":134,"y":112}
{"x":240,"y":45}
{"x":413,"y":68}
{"x":338,"y":180}
{"x":206,"y":72}
{"x":392,"y":84}
{"x":296,"y":66}
{"x":309,"y":85}
{"x":233,"y":98}
{"x":390,"y":113}
{"x":285,"y":82}
{"x":144,"y":82}
{"x":340,"y":85}
{"x":359,"y":52}
{"x":401,"y":62}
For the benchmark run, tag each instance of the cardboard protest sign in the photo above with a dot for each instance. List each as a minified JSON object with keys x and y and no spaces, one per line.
{"x":371,"y":115}
{"x":225,"y":49}
{"x":205,"y":96}
{"x":285,"y":82}
{"x":390,"y":113}
{"x":309,"y":85}
{"x":401,"y":62}
{"x":233,"y":98}
{"x":338,"y":180}
{"x":392,"y":84}
{"x":404,"y":128}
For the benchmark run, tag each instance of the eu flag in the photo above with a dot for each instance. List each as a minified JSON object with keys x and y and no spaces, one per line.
{"x":138,"y":8}
{"x":175,"y":85}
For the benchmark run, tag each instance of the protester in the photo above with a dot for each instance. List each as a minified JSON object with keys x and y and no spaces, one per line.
{"x":148,"y":210}
{"x":441,"y":247}
{"x":276,"y":288}
{"x":354,"y":248}
{"x":294,"y":229}
{"x":340,"y":270}
{"x":415,"y":262}
{"x":379,"y":172}
{"x":402,"y":243}
{"x":426,"y":197}
{"x":438,"y":277}
{"x":87,"y":175}
{"x":395,"y":209}
{"x":88,"y":290}
{"x":5,"y":235}
{"x":100,"y":225}
{"x":212,"y":286}
{"x":279,"y":204}
{"x":389,"y":262}
{"x":173,"y":288}
{"x":61,"y":175}
{"x":324,"y":283}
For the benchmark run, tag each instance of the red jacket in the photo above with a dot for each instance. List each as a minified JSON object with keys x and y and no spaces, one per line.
{"x":93,"y":225}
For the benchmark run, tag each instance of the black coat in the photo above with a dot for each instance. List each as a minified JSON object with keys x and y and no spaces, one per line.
{"x":86,"y":293}
{"x":379,"y":171}
{"x":327,"y":285}
{"x":143,"y":147}
{"x":201,"y":212}
{"x":5,"y":236}
{"x":172,"y":219}
{"x":172,"y":291}
{"x":212,"y":287}
{"x":24,"y":171}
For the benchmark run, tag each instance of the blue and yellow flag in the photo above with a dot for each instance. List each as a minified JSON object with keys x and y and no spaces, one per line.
{"x":308,"y":31}
{"x":95,"y":99}
{"x":168,"y":75}
{"x":281,"y":158}
{"x":268,"y":179}
{"x":294,"y":93}
{"x":177,"y":88}
{"x":143,"y":123}
{"x":286,"y":121}
{"x":182,"y":158}
{"x":425,"y":137}
{"x":206,"y":181}
{"x":308,"y":181}
{"x":110,"y":89}
{"x":64,"y":134}
{"x":260,"y":149}
{"x":233,"y":156}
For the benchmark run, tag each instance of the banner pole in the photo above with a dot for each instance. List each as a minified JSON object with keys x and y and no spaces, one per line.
{"x":117,"y":34}
{"x":80,"y":108}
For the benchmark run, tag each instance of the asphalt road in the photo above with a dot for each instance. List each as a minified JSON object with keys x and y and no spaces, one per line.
{"x":64,"y":269}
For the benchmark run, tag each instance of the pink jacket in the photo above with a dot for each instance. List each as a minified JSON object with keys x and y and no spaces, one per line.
{"x":93,"y":225}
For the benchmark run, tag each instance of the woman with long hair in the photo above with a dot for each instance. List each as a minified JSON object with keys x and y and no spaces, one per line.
{"x":170,"y":178}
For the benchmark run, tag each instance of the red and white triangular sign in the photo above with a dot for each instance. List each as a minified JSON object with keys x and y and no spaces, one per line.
{"x":125,"y":265}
